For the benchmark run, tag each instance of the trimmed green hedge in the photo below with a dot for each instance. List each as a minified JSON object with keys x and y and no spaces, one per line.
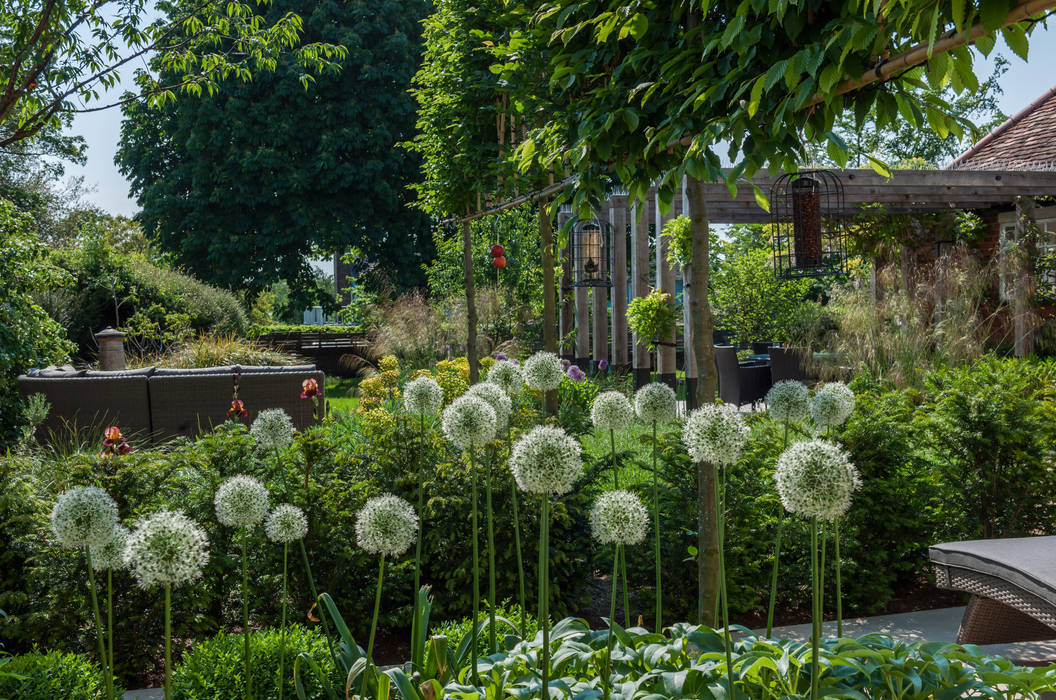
{"x":52,"y":676}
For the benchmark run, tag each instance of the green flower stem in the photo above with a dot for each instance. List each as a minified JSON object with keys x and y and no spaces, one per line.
{"x":656,"y":536}
{"x":245,"y":617}
{"x":824,"y":541}
{"x":416,"y":652}
{"x":282,"y":638}
{"x":615,"y":467}
{"x":373,"y":628}
{"x":315,"y":597}
{"x":544,"y":593}
{"x":727,"y":641}
{"x":816,"y":612}
{"x":110,"y":620}
{"x":108,"y":676}
{"x":839,"y":597}
{"x":168,"y":641}
{"x":492,"y":646}
{"x":623,"y":585}
{"x":777,"y":556}
{"x":520,"y":561}
{"x":612,"y":619}
{"x":476,"y":569}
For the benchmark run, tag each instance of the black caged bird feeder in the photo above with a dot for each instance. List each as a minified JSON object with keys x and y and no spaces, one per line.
{"x":591,"y":252}
{"x":806,"y":212}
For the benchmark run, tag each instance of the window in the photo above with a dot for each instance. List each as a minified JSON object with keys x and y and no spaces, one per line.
{"x":1046,"y":266}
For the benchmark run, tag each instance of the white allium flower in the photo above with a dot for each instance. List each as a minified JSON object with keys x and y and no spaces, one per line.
{"x":715,"y":433}
{"x":507,"y":376}
{"x":167,"y":547}
{"x":469,"y":421}
{"x":422,"y":396}
{"x":546,"y":460}
{"x":84,"y":516}
{"x":497,"y":399}
{"x":656,"y":402}
{"x":386,"y":525}
{"x":611,"y":411}
{"x":111,"y":554}
{"x":273,"y":429}
{"x":241,"y":501}
{"x":618,"y":517}
{"x":286,"y":524}
{"x":543,"y":371}
{"x":788,"y":400}
{"x":815,"y":479}
{"x":832,"y":405}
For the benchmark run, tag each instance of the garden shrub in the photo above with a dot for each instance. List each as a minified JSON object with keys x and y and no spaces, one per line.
{"x":213,"y":667}
{"x":51,"y":676}
{"x":218,"y":351}
{"x":456,"y":630}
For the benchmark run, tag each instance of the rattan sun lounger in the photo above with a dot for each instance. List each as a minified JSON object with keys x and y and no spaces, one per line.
{"x":1013,"y":587}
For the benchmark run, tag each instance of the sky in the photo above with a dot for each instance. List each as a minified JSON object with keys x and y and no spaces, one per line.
{"x":1022,"y":84}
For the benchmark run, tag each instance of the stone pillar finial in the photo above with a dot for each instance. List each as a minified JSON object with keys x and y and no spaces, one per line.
{"x":111,"y":349}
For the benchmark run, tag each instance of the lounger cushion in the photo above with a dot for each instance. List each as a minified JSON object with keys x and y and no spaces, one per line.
{"x":139,"y":372}
{"x":185,"y":372}
{"x":273,"y":369}
{"x":53,"y":372}
{"x":1026,"y":562}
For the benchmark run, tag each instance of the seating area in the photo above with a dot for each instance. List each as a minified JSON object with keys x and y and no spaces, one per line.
{"x":746,"y":382}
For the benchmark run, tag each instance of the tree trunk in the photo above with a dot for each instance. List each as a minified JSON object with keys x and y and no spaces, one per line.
{"x":471,"y":303}
{"x":546,"y":233}
{"x":704,"y":353}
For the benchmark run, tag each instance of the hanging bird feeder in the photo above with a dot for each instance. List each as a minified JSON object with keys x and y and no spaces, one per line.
{"x":591,"y":252}
{"x":807,"y":210}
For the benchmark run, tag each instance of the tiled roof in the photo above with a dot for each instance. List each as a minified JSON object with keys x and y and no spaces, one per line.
{"x":1027,"y":141}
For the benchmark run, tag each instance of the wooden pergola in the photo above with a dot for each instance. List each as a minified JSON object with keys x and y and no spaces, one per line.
{"x":601,"y":335}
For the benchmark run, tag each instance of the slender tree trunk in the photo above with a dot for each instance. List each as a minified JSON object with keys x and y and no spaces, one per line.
{"x":546,"y":233}
{"x":704,"y":353}
{"x":471,"y":303}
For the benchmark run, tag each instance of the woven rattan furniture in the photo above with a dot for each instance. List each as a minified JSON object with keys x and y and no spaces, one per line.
{"x":1013,"y":587}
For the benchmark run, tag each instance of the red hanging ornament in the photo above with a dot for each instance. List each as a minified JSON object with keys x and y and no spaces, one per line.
{"x":497,"y":251}
{"x":499,"y":262}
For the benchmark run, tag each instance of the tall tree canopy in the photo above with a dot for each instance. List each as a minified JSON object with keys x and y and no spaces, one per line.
{"x":245,"y":185}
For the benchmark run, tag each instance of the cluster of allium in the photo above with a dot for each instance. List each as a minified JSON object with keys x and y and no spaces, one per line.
{"x":832,"y":405}
{"x":111,"y":554}
{"x":546,"y":460}
{"x":543,"y":371}
{"x":84,"y":516}
{"x":611,"y":411}
{"x":507,"y":376}
{"x":788,"y":400}
{"x":166,"y":548}
{"x":497,"y":399}
{"x":386,"y":525}
{"x":241,"y":501}
{"x":272,"y":429}
{"x":656,"y":402}
{"x":715,"y":433}
{"x":422,"y":396}
{"x":286,"y":524}
{"x":469,"y":421}
{"x":815,"y":479}
{"x":618,"y":517}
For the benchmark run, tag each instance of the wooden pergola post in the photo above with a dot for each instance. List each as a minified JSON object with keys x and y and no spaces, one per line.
{"x":665,"y":282}
{"x":618,"y":221}
{"x":689,"y":357}
{"x":640,"y":269}
{"x":565,"y":290}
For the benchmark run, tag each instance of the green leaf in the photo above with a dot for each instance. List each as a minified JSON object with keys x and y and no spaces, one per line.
{"x":994,"y":13}
{"x":985,"y":44}
{"x":757,"y":94}
{"x":733,"y":28}
{"x":1017,"y":40}
{"x":879,"y":166}
{"x":761,"y":199}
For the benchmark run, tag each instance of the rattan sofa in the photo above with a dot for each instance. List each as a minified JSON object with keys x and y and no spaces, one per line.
{"x":158,"y":404}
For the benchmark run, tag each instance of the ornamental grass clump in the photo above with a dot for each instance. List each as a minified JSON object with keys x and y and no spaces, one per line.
{"x":715,"y":434}
{"x":242,"y":503}
{"x":507,"y":376}
{"x":272,"y":429}
{"x":167,"y":549}
{"x":85,"y":517}
{"x":617,"y":518}
{"x":285,"y":524}
{"x":816,"y":480}
{"x":110,"y":557}
{"x":788,"y":402}
{"x":546,"y":461}
{"x":385,"y":526}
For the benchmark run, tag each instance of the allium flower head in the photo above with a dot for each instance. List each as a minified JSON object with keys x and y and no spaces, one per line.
{"x":241,"y":501}
{"x":386,"y":525}
{"x":469,"y":421}
{"x":272,"y":429}
{"x":167,"y":547}
{"x":603,"y":365}
{"x":111,"y":554}
{"x":546,"y":460}
{"x":84,"y":516}
{"x":832,"y":405}
{"x":611,"y":411}
{"x":618,"y":517}
{"x":656,"y":402}
{"x":507,"y":376}
{"x":497,"y":399}
{"x":575,"y":373}
{"x":788,"y":400}
{"x":715,"y":433}
{"x":422,"y":396}
{"x":543,"y":371}
{"x":286,"y":524}
{"x":815,"y":479}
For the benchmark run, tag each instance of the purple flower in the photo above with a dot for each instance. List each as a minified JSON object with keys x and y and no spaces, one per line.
{"x":575,"y":373}
{"x":500,"y":357}
{"x":603,"y":365}
{"x":565,"y":363}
